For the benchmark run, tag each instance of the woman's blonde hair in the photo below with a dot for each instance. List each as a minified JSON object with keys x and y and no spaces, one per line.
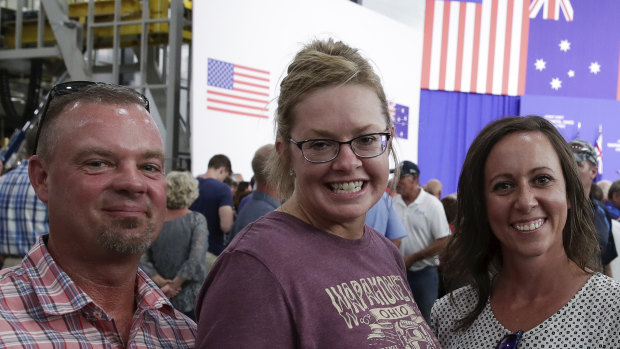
{"x":181,"y":189}
{"x":322,"y":63}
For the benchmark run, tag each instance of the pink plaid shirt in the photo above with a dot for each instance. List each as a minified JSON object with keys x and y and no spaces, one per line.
{"x":41,"y":307}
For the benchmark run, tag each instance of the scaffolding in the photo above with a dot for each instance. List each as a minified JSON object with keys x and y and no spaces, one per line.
{"x":145,"y":44}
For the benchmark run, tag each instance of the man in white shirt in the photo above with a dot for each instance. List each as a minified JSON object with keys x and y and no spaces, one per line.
{"x":424,"y":218}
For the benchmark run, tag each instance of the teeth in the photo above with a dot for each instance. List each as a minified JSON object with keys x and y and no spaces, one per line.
{"x":347,"y":187}
{"x":529,"y":226}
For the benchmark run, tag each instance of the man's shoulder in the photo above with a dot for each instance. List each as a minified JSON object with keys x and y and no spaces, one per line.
{"x":212,"y":184}
{"x":16,"y":176}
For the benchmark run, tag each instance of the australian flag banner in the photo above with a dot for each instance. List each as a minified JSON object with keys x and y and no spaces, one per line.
{"x":577,"y":53}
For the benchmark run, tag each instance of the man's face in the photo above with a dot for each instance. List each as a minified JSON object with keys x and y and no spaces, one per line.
{"x":587,"y":173}
{"x":407,"y":185}
{"x":105,"y":185}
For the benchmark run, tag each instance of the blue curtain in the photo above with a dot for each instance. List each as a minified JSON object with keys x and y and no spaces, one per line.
{"x":449,"y":122}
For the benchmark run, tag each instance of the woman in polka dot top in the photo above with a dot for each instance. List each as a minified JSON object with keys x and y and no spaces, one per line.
{"x":525,"y":250}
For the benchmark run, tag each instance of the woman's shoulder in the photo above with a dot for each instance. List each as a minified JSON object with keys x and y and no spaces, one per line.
{"x":457,"y":303}
{"x":195,"y":216}
{"x":603,"y":289}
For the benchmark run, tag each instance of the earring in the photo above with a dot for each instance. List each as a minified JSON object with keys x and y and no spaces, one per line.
{"x":291,"y":173}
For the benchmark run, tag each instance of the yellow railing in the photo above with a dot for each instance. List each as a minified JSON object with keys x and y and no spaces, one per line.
{"x":131,"y":11}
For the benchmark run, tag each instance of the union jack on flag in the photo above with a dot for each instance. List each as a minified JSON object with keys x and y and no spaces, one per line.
{"x":551,"y":9}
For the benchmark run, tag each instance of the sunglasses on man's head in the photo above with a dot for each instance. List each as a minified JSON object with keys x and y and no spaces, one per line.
{"x":67,"y":88}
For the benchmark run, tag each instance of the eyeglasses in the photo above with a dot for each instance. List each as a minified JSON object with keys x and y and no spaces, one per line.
{"x":325,"y":150}
{"x":510,"y":341}
{"x":67,"y":88}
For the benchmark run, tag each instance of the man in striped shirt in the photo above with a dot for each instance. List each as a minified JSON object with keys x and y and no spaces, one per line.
{"x":23,"y":217}
{"x":99,"y":167}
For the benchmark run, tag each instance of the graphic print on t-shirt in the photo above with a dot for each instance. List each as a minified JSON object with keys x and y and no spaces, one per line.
{"x":385,"y":305}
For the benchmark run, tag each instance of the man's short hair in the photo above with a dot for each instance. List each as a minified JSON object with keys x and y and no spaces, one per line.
{"x":259,"y":162}
{"x":219,"y":161}
{"x":99,"y":93}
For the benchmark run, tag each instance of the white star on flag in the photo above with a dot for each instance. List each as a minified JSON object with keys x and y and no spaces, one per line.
{"x":571,"y":73}
{"x":564,"y":45}
{"x":556,"y":83}
{"x":540,"y":64}
{"x":595,"y":68}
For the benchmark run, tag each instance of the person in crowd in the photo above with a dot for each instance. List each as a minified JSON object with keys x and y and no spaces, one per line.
{"x":427,"y":233}
{"x":243,"y":190}
{"x":176,"y":260}
{"x":585,"y":155}
{"x":596,"y":192}
{"x":23,"y":217}
{"x":433,"y":187}
{"x":613,"y":200}
{"x":526,"y":248}
{"x":449,"y":206}
{"x":264,"y":199}
{"x":311,"y":274}
{"x":604,"y":184}
{"x":247,"y":197}
{"x":215,"y":202}
{"x":99,"y":167}
{"x":383,"y":218}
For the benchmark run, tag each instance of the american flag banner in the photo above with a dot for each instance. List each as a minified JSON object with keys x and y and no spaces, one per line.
{"x":578,"y":58}
{"x":551,"y":9}
{"x":237,"y":89}
{"x":477,"y":46}
{"x":598,"y":146}
{"x":400,"y":118}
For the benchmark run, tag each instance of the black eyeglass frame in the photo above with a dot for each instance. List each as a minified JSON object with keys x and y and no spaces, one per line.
{"x":67,"y":88}
{"x":299,"y":144}
{"x":510,"y":341}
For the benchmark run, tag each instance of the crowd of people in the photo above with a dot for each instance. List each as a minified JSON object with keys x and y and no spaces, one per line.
{"x":320,"y":249}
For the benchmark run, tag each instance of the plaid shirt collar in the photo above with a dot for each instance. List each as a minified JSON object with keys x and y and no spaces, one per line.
{"x":59,"y":295}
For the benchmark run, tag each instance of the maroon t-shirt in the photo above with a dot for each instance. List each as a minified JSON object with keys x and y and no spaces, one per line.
{"x":285,"y":284}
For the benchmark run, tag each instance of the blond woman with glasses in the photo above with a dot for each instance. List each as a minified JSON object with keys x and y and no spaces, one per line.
{"x":312,"y":274}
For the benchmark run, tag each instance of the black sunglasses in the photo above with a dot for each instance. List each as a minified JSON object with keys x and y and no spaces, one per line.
{"x":510,"y":341}
{"x":67,"y":88}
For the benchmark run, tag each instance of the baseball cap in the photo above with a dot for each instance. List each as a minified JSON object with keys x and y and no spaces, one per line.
{"x":582,"y":150}
{"x":408,"y":167}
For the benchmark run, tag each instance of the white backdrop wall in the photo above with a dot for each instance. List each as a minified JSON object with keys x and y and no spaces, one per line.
{"x":266,"y":35}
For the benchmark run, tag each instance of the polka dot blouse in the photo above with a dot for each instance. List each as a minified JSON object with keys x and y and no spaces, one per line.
{"x":591,"y":319}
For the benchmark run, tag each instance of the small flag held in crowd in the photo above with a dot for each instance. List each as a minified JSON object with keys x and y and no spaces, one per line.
{"x":237,"y":89}
{"x":400,"y":118}
{"x":599,"y":149}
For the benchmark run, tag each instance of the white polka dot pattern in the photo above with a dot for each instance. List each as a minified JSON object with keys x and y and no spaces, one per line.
{"x":591,"y":319}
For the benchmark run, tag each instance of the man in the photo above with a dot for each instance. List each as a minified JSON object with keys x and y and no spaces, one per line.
{"x":613,"y":200}
{"x":23,"y":217}
{"x":383,"y":218}
{"x":99,"y":167}
{"x":585,"y":155}
{"x":433,"y":187}
{"x":423,"y":216}
{"x":215,"y":202}
{"x":265,"y":197}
